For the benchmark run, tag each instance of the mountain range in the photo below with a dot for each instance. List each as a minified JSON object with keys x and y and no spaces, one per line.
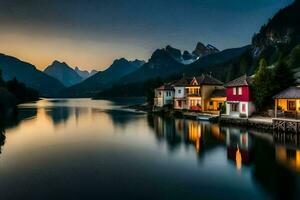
{"x":279,"y":38}
{"x":84,"y":73}
{"x":62,"y":72}
{"x":12,"y":67}
{"x":103,"y":79}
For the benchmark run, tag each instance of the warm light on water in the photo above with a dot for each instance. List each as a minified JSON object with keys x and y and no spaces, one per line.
{"x":85,"y":149}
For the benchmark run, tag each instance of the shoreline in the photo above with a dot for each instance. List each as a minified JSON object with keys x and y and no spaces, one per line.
{"x":256,"y":123}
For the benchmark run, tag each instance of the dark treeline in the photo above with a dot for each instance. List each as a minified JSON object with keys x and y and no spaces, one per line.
{"x":12,"y":93}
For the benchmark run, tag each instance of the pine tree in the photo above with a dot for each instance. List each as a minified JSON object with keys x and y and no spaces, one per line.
{"x":262,"y":85}
{"x":1,"y":80}
{"x":294,"y":60}
{"x":282,"y":76}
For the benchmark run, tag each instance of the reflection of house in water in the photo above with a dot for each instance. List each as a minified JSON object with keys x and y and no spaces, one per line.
{"x":287,"y":150}
{"x":165,"y":129}
{"x":238,"y":146}
{"x":203,"y":136}
{"x":195,"y":133}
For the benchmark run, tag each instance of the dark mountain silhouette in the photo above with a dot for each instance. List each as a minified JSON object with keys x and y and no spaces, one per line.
{"x":162,"y":64}
{"x":27,"y":73}
{"x":224,"y":65}
{"x":84,"y":73}
{"x":202,"y":50}
{"x":64,"y":73}
{"x":280,"y":35}
{"x":103,"y":79}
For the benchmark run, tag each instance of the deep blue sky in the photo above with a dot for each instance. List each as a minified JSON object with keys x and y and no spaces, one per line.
{"x":91,"y":33}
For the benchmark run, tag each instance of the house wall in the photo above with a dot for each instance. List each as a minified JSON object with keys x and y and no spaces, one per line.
{"x":158,"y":102}
{"x":283,"y":103}
{"x":249,"y":109}
{"x":215,"y":103}
{"x":206,"y":92}
{"x":168,"y":99}
{"x":193,"y":102}
{"x":163,"y":97}
{"x":179,"y":94}
{"x":245,"y":96}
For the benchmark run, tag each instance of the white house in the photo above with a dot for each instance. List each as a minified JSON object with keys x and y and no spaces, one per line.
{"x":164,"y":95}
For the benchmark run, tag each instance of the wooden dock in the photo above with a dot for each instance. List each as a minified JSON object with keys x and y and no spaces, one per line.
{"x":286,"y":125}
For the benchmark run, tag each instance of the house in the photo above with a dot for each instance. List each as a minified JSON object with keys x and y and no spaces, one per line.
{"x":239,"y":98}
{"x":217,"y":100}
{"x":287,"y":103}
{"x":164,"y":95}
{"x":193,"y":93}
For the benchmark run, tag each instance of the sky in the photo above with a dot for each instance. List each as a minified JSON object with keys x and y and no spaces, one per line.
{"x":92,"y":33}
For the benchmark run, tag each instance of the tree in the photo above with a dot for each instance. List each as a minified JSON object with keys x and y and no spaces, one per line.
{"x":1,"y":80}
{"x":21,"y":92}
{"x":282,"y":76}
{"x":294,"y":60}
{"x":149,"y":86}
{"x":262,"y":85}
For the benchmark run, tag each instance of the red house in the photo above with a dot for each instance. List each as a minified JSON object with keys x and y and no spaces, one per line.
{"x":239,"y":100}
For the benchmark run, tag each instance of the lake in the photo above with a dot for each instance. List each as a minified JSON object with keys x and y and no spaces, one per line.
{"x":97,"y":149}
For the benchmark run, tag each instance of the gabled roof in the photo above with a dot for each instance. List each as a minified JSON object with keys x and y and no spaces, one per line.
{"x":184,"y":81}
{"x":289,"y":93}
{"x":208,"y":80}
{"x":219,"y":93}
{"x":241,"y":81}
{"x":201,"y":80}
{"x":165,"y":87}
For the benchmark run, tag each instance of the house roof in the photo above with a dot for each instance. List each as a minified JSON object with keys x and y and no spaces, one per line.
{"x":184,"y":81}
{"x":201,"y":80}
{"x":289,"y":93}
{"x":219,"y":93}
{"x":208,"y":80}
{"x":241,"y":81}
{"x":165,"y":87}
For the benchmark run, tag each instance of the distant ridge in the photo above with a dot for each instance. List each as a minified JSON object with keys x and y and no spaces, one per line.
{"x":25,"y":72}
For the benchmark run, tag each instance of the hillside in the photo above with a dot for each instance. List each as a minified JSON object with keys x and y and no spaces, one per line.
{"x":280,"y":35}
{"x":27,"y":73}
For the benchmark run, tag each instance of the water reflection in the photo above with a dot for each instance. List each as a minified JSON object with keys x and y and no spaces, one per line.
{"x":239,"y":146}
{"x":287,"y":148}
{"x":83,"y":146}
{"x":272,"y":165}
{"x":203,"y":136}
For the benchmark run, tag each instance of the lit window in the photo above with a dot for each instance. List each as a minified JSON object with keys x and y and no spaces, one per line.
{"x":240,"y":91}
{"x":234,"y":91}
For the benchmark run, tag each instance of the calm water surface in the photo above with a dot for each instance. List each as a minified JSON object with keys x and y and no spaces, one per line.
{"x":95,"y":149}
